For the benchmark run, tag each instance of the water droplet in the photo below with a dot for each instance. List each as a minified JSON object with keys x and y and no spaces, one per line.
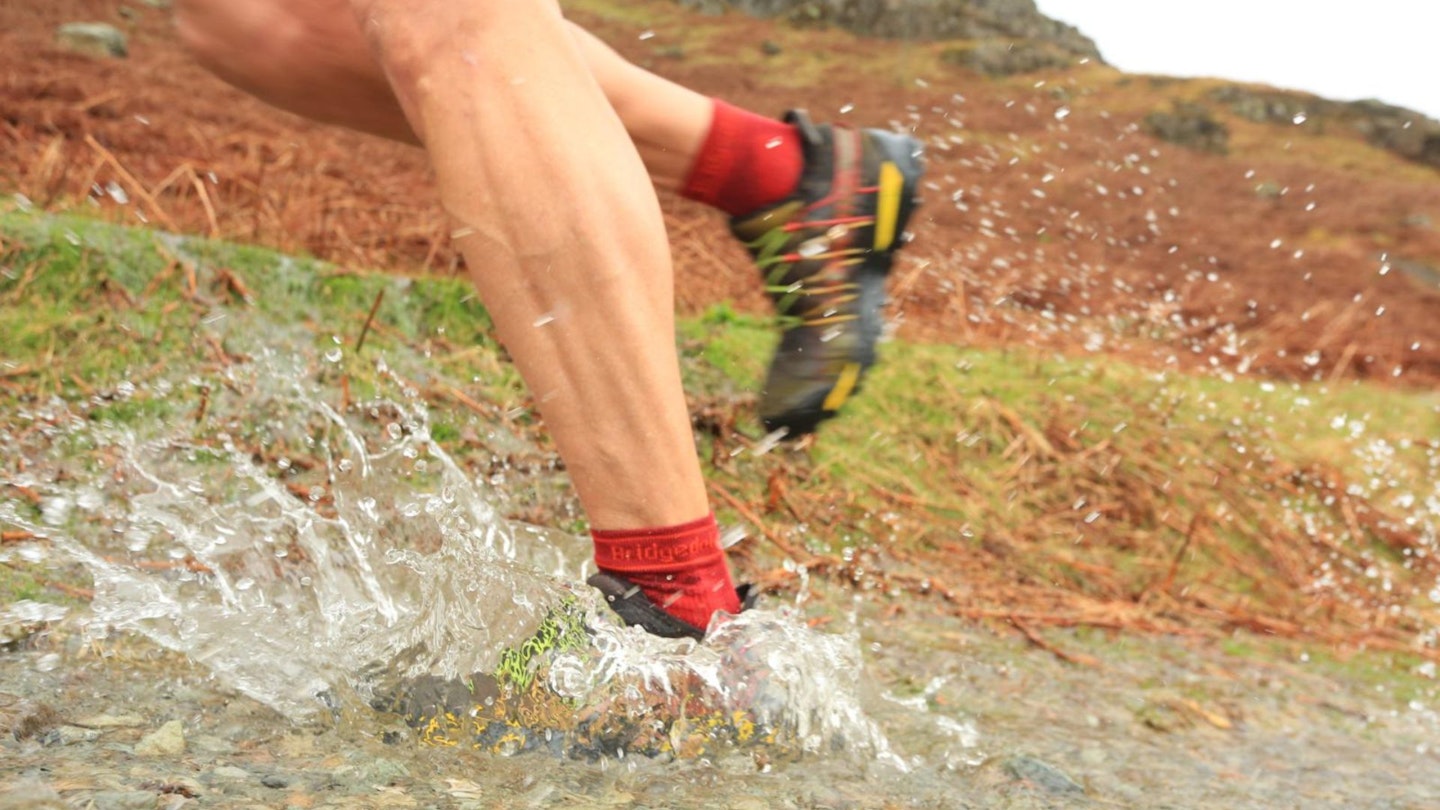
{"x":811,"y":248}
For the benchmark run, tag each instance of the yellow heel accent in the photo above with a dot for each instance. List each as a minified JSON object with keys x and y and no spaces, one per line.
{"x":843,"y":388}
{"x":887,"y":206}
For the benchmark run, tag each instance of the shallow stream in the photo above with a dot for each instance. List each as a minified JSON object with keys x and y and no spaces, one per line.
{"x":250,"y":607}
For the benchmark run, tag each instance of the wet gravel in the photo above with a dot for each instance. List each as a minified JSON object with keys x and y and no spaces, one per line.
{"x":984,"y":721}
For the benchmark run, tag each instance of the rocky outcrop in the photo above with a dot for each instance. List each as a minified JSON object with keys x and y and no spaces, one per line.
{"x":1189,"y":125}
{"x":1003,"y":58}
{"x":1403,"y":132}
{"x":921,"y":19}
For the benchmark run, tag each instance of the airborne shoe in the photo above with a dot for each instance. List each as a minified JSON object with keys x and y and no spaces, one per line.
{"x":824,"y":254}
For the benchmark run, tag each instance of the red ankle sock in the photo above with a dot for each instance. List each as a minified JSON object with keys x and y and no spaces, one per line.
{"x":680,"y":568}
{"x":747,"y":162}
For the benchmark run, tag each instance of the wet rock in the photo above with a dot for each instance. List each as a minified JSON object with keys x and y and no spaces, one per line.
{"x":1191,"y":126}
{"x":109,"y":721}
{"x":166,"y":741}
{"x":1042,"y":774}
{"x":93,"y":39}
{"x":67,"y":735}
{"x":274,"y":781}
{"x":230,"y":773}
{"x":123,"y":800}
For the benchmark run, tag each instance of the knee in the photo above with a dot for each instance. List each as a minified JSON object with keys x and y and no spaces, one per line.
{"x":238,"y":39}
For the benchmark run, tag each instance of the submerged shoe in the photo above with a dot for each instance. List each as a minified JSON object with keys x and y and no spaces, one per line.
{"x":518,"y":707}
{"x":636,"y":610}
{"x":824,"y":254}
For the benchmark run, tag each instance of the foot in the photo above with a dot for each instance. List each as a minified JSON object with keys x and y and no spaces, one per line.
{"x":824,"y":254}
{"x":516,"y":708}
{"x":636,"y":610}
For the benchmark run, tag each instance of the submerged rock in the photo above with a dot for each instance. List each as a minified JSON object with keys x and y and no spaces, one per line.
{"x":168,"y":740}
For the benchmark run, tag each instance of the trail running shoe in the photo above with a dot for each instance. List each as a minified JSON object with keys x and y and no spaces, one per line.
{"x":824,"y":254}
{"x":636,"y":610}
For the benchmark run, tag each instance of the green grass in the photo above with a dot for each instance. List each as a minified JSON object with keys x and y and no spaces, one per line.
{"x":1079,"y":479}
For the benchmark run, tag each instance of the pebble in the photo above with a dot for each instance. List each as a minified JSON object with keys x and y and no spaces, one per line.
{"x":166,"y":741}
{"x":230,"y":772}
{"x":67,"y":735}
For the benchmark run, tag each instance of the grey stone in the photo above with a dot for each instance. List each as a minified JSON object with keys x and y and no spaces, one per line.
{"x":166,"y":741}
{"x":93,"y":39}
{"x":1042,"y":774}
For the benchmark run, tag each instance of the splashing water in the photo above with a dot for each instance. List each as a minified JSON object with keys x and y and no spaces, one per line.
{"x":295,"y":545}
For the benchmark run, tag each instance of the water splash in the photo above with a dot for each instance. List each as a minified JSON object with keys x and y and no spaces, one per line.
{"x":293,"y":544}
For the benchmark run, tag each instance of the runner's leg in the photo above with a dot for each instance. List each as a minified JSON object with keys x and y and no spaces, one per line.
{"x":566,"y":245}
{"x":309,"y":57}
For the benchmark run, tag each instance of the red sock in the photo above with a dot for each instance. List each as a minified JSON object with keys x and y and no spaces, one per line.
{"x":747,"y":162}
{"x":680,"y":568}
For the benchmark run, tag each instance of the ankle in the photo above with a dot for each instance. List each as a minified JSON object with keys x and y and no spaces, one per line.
{"x":681,"y":569}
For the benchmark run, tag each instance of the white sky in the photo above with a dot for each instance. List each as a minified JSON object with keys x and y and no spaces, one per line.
{"x":1385,"y":49}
